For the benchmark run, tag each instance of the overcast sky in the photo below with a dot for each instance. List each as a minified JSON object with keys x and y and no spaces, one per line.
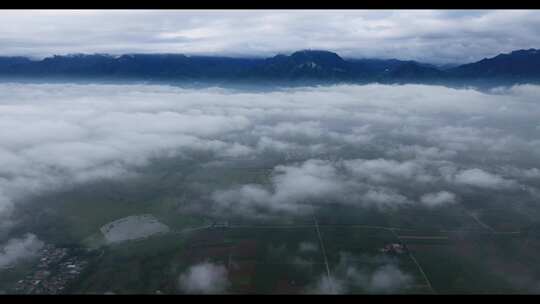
{"x":431,"y":36}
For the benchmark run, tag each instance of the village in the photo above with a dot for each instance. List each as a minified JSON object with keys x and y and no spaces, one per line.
{"x":57,"y":267}
{"x":394,"y":248}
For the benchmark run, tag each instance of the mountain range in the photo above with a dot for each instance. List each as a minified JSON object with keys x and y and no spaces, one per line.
{"x":318,"y":66}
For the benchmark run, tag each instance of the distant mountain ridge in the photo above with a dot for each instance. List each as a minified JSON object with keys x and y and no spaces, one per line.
{"x":517,"y":64}
{"x":305,"y":65}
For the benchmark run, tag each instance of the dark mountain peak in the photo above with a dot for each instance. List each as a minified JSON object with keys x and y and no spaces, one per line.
{"x":82,"y":55}
{"x":525,"y":52}
{"x":15,"y":58}
{"x":316,"y":55}
{"x":412,"y":70}
{"x":160,"y":55}
{"x":78,"y":56}
{"x":513,"y":54}
{"x":519,"y":64}
{"x":8,"y":63}
{"x":77,"y":60}
{"x":313,"y":58}
{"x":318,"y":64}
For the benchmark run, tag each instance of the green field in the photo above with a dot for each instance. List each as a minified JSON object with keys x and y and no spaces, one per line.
{"x":449,"y":251}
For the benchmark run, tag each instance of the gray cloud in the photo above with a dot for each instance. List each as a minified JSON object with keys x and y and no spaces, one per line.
{"x":6,"y":208}
{"x":347,"y":277}
{"x":18,"y":249}
{"x":357,"y":181}
{"x":204,"y":278}
{"x":385,"y":279}
{"x":308,"y":247}
{"x":480,"y":178}
{"x":292,"y":185}
{"x":437,"y":36}
{"x":382,"y":170}
{"x":328,"y":285}
{"x":438,"y":198}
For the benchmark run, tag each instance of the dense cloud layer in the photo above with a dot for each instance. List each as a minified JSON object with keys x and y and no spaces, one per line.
{"x":372,"y":145}
{"x":433,"y":36}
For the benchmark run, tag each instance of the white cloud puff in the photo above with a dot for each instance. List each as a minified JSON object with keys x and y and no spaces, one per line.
{"x":205,"y":278}
{"x":347,"y":277}
{"x":482,"y":179}
{"x":292,"y":186}
{"x":438,"y":198}
{"x":307,"y":247}
{"x":18,"y":249}
{"x":383,"y":170}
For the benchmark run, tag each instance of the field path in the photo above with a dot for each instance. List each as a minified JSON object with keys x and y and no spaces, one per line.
{"x":330,"y":283}
{"x":428,"y":283}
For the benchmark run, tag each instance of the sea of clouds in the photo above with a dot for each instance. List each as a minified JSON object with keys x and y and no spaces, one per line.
{"x":374,"y":145}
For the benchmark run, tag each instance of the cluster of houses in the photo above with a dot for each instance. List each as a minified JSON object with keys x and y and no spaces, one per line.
{"x":394,"y":248}
{"x":56,"y":268}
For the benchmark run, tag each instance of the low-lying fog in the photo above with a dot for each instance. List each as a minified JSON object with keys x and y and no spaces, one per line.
{"x":370,"y":145}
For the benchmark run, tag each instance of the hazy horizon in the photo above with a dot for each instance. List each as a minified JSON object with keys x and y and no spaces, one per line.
{"x":438,"y":37}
